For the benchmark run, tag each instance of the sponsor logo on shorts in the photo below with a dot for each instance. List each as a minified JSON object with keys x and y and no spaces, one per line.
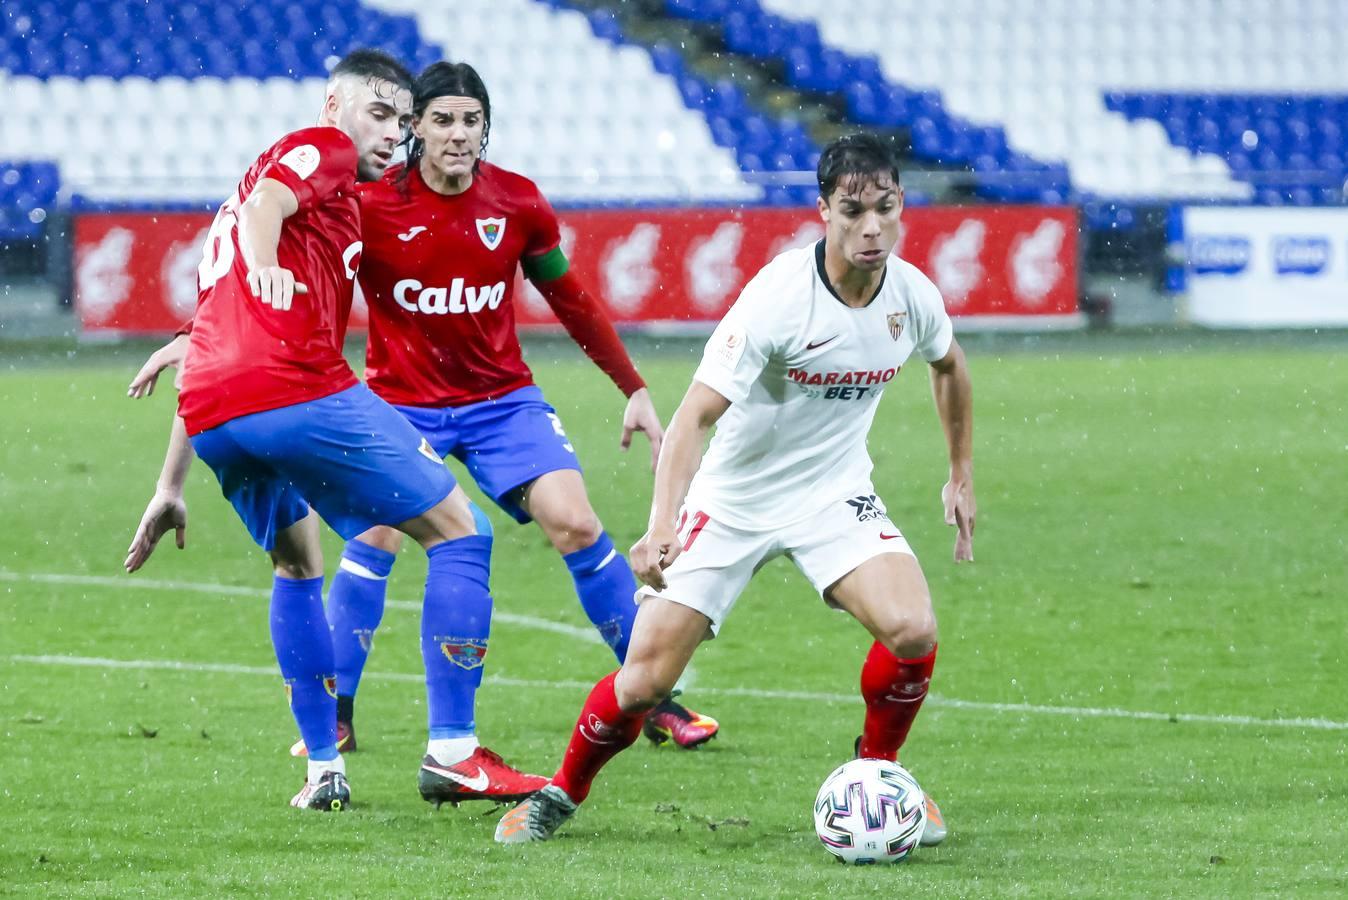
{"x":889,"y":537}
{"x":466,"y":653}
{"x":365,"y":637}
{"x":868,"y":508}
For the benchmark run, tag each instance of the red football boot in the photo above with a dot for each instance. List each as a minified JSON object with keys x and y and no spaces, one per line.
{"x":482,"y":776}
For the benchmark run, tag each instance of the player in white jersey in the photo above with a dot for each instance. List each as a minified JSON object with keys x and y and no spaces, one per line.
{"x":791,"y":379}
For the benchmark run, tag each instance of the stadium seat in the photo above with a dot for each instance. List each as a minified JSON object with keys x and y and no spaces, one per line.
{"x":145,"y":89}
{"x":1079,"y":79}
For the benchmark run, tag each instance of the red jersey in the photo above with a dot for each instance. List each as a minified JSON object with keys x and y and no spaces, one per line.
{"x":438,"y":274}
{"x":245,"y":356}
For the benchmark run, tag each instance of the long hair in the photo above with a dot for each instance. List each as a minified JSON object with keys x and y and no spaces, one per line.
{"x":446,"y":79}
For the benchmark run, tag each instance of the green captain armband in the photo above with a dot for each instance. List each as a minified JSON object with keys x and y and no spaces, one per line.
{"x":548,"y":267}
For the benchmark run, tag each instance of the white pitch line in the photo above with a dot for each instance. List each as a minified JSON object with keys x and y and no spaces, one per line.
{"x":131,"y":582}
{"x":933,"y":700}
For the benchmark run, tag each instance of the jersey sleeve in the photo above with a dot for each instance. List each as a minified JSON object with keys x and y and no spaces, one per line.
{"x":543,"y":259}
{"x":741,"y":345}
{"x":932,"y":331}
{"x":314,"y":163}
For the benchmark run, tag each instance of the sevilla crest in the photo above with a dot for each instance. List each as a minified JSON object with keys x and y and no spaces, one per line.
{"x":896,"y":320}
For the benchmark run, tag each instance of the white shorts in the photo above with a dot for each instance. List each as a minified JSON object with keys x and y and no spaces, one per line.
{"x":717,"y":560}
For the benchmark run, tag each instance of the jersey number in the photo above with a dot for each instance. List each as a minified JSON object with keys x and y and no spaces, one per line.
{"x":218,"y":254}
{"x":561,"y":432}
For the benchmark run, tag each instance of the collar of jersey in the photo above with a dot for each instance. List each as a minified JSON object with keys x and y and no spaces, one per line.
{"x":823,"y":276}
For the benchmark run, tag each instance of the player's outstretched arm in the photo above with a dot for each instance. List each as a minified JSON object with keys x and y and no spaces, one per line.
{"x":260,"y":218}
{"x":953,"y":392}
{"x":171,"y":354}
{"x":166,"y":511}
{"x":701,"y":408}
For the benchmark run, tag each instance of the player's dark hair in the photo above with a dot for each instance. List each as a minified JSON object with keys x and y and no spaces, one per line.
{"x":369,"y":63}
{"x":446,"y":79}
{"x":862,"y":155}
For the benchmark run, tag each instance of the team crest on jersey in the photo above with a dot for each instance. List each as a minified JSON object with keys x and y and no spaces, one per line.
{"x":896,"y":321}
{"x":466,"y":653}
{"x":491,"y":231}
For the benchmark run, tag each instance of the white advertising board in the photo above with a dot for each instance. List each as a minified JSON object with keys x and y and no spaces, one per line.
{"x":1263,"y":267}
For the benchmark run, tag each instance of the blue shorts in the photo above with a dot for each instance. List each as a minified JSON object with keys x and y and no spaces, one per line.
{"x":505,"y":443}
{"x":348,"y":455}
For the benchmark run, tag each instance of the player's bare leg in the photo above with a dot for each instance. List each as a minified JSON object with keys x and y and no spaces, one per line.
{"x":604,"y":582}
{"x":455,"y":624}
{"x":663,"y":641}
{"x":299,"y":633}
{"x":888,"y":594}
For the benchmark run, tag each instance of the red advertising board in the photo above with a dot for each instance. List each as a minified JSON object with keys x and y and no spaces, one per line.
{"x":136,"y":272}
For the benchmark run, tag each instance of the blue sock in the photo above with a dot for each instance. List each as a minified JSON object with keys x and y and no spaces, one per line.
{"x":607,"y":590}
{"x":299,"y":632}
{"x":355,"y":606}
{"x":455,"y":622}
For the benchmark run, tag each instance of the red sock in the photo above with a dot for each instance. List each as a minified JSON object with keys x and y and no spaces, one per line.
{"x":893,"y":689}
{"x":602,"y":732}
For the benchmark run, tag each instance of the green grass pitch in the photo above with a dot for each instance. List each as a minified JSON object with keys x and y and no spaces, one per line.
{"x":1142,"y":688}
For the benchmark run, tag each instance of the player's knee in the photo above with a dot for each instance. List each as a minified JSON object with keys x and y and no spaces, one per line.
{"x":573,"y":529}
{"x":911,"y":636}
{"x":297,"y":570}
{"x":641,"y":687}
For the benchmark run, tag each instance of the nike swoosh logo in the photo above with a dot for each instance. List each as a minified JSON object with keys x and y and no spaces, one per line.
{"x":412,"y":232}
{"x":478,"y":783}
{"x":889,"y":537}
{"x":817,"y":344}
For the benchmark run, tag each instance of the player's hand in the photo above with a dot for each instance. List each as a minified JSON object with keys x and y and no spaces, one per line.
{"x":640,"y":415}
{"x":166,"y":512}
{"x":275,"y":286}
{"x":171,"y":354}
{"x":960,"y":510}
{"x":655,"y":552}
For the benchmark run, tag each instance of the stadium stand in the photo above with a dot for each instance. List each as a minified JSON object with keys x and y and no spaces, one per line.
{"x":134,"y":109}
{"x":1100,"y":103}
{"x":1226,"y":95}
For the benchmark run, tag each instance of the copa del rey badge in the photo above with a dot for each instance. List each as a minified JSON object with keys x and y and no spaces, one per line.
{"x":896,"y":324}
{"x":491,"y":231}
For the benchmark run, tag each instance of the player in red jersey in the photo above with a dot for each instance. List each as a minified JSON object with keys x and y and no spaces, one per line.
{"x":270,"y":404}
{"x":444,"y":239}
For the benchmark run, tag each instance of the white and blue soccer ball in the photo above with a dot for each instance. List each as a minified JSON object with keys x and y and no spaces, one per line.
{"x":870,"y":811}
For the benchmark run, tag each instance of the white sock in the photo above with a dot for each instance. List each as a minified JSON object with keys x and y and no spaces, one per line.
{"x":448,"y":751}
{"x":318,"y":767}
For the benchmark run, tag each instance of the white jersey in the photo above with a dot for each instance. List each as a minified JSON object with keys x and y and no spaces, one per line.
{"x":803,"y":373}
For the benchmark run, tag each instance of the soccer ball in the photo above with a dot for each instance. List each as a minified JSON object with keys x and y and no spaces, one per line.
{"x":870,"y":811}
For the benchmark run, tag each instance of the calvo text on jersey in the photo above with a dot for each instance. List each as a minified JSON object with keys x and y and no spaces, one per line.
{"x":438,"y":301}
